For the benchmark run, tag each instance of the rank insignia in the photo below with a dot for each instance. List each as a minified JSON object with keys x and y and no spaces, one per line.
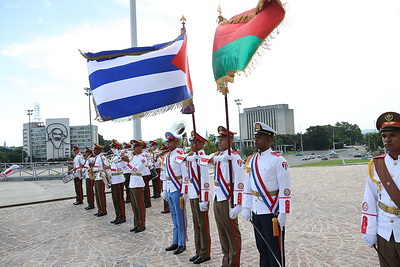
{"x":286,"y":192}
{"x":285,"y":165}
{"x":240,"y":185}
{"x":365,"y":206}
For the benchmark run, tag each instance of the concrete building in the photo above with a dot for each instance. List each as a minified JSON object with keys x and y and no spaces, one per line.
{"x":55,"y":138}
{"x":279,"y":117}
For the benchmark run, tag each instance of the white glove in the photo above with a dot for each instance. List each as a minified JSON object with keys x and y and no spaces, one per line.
{"x":235,"y":211}
{"x":282,"y":219}
{"x":223,"y":158}
{"x":369,"y":240}
{"x":185,"y":196}
{"x":246,"y":213}
{"x":203,"y":206}
{"x":193,"y":158}
{"x":164,"y":195}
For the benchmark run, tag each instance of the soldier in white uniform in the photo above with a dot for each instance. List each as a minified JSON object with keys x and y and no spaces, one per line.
{"x":156,"y":164}
{"x":146,"y":176}
{"x":267,"y":196}
{"x":99,"y":165}
{"x":224,"y":212}
{"x":127,"y":173}
{"x":89,"y":182}
{"x":117,"y":183}
{"x":380,"y":222}
{"x":136,"y":186}
{"x":77,"y":172}
{"x":172,"y":191}
{"x":195,"y":176}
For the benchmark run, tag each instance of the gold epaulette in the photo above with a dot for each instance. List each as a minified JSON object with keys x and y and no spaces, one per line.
{"x":248,"y":169}
{"x":371,"y":171}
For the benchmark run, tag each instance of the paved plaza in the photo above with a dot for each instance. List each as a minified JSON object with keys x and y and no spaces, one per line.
{"x":323,"y":230}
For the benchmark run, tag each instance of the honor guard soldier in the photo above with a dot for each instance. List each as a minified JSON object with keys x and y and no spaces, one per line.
{"x":156,"y":165}
{"x":136,"y":186}
{"x":146,"y":176}
{"x":380,"y":222}
{"x":224,"y":181}
{"x":267,"y":196}
{"x":100,"y":162}
{"x":195,"y":178}
{"x":160,"y":159}
{"x":127,"y":172}
{"x":89,"y":177}
{"x":172,"y":191}
{"x":77,"y":172}
{"x":117,"y":183}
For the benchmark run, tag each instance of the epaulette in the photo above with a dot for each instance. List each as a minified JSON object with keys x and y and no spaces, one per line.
{"x":380,"y":156}
{"x":371,"y":171}
{"x":215,"y":153}
{"x":234,"y":152}
{"x":275,"y":154}
{"x":248,"y":169}
{"x":190,"y":153}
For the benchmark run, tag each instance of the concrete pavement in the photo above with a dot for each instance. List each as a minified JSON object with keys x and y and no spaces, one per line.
{"x":323,"y":230}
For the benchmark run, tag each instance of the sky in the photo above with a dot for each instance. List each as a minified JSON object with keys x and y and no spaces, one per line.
{"x":332,"y":61}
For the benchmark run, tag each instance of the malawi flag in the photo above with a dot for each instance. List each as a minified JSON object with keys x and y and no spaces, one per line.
{"x":237,"y":39}
{"x":140,"y":81}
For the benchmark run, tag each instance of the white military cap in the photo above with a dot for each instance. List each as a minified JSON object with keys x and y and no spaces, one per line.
{"x":262,"y":128}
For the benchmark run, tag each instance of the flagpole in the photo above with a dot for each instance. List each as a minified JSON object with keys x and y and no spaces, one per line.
{"x":196,"y":146}
{"x":137,"y":124}
{"x":229,"y":148}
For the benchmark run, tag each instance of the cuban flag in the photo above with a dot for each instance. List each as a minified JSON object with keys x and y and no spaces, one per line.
{"x":140,"y":81}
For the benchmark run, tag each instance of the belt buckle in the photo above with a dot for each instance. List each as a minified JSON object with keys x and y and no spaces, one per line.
{"x":390,"y":210}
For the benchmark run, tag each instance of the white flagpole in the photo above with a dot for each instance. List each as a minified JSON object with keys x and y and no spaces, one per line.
{"x":137,"y":125}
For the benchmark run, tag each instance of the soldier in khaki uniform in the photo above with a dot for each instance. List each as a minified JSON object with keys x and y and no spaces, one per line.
{"x":78,"y":174}
{"x":226,"y":215}
{"x":380,"y":222}
{"x":195,"y":176}
{"x":89,"y":180}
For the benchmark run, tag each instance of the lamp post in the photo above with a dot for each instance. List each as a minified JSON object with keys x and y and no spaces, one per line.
{"x":238,"y":103}
{"x":89,"y":93}
{"x":30,"y":112}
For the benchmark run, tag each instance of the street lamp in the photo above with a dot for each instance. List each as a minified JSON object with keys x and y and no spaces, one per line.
{"x":89,"y":93}
{"x":30,"y":112}
{"x":238,"y":103}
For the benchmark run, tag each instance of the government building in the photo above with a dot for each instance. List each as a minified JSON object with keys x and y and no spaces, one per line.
{"x":279,"y":117}
{"x":54,"y":139}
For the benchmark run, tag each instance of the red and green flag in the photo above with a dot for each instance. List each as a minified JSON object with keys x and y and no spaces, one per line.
{"x":236,"y":40}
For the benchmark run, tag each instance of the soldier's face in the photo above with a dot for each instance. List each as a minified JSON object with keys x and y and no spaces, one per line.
{"x":263,"y":141}
{"x":138,"y":149}
{"x":391,"y":141}
{"x":223,"y":142}
{"x":198,"y":147}
{"x":172,"y":144}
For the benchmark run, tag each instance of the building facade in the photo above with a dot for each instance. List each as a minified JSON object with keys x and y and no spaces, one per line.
{"x":279,"y":117}
{"x":54,"y":139}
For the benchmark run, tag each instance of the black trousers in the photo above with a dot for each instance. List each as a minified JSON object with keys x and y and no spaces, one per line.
{"x":263,"y":222}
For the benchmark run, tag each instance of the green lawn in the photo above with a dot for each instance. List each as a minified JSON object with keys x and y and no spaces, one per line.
{"x":331,"y":162}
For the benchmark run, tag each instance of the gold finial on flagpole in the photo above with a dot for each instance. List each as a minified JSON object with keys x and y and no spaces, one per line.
{"x":220,"y":17}
{"x":183,"y":21}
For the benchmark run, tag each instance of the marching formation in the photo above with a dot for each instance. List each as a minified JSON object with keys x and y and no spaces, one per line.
{"x":259,"y":190}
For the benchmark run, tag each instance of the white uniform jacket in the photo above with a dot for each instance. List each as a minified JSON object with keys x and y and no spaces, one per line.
{"x":117,"y":167}
{"x":192,"y":184}
{"x":99,"y":162}
{"x":267,"y":184}
{"x":374,"y":219}
{"x":137,"y":166}
{"x":86,"y":166}
{"x":173,"y":170}
{"x":78,"y":161}
{"x":222,"y":179}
